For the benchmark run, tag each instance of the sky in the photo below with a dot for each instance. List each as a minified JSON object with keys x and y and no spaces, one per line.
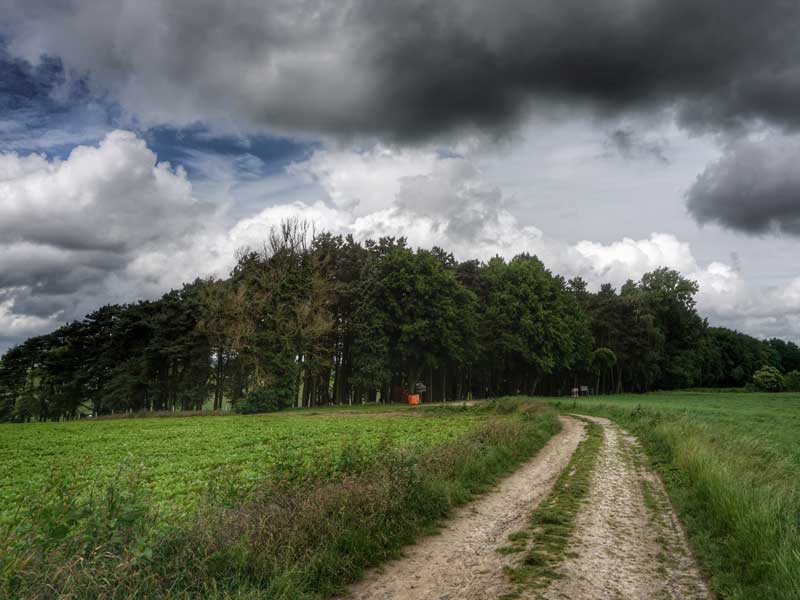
{"x":144,"y":142}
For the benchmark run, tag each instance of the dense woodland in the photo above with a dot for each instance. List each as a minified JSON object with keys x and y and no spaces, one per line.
{"x":318,"y":319}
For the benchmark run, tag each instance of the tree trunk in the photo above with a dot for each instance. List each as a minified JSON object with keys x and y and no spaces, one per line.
{"x":337,"y":372}
{"x":220,"y":380}
{"x":536,"y":378}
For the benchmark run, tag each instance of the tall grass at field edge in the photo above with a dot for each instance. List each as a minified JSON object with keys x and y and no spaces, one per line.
{"x":742,"y":520}
{"x":295,"y":537}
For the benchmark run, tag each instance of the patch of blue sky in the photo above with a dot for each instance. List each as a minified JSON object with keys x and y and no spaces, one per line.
{"x":44,"y":109}
{"x":252,"y":156}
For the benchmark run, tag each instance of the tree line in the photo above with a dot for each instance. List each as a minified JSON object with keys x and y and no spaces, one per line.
{"x":314,"y":319}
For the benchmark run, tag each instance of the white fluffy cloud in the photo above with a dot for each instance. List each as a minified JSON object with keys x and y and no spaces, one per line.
{"x":110,"y":197}
{"x":629,"y":258}
{"x":77,"y":229}
{"x":112,"y":224}
{"x":444,"y":201}
{"x":724,"y":298}
{"x":429,"y":198}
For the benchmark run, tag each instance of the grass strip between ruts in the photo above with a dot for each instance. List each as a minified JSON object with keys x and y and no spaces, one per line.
{"x":544,"y":543}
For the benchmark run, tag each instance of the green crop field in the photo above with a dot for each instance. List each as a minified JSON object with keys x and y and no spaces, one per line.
{"x":731,"y":462}
{"x":290,"y":505}
{"x":179,"y":456}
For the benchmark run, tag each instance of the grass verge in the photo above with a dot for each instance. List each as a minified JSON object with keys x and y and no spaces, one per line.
{"x":296,"y":536}
{"x":543,"y":544}
{"x":742,"y":513}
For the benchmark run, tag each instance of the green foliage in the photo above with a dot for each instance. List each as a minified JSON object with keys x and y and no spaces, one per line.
{"x":412,"y":315}
{"x":768,"y":379}
{"x":264,"y":400}
{"x":791,"y":381}
{"x":784,"y":355}
{"x":320,"y":319}
{"x":603,"y":359}
{"x":737,"y":357}
{"x":62,"y":526}
{"x":530,"y":327}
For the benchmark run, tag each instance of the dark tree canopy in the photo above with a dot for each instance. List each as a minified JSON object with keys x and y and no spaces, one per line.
{"x":318,"y":319}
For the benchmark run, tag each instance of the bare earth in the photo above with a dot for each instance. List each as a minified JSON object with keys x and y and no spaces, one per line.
{"x":461,"y":561}
{"x":627,"y":542}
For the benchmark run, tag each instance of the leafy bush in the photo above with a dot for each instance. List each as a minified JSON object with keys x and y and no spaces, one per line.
{"x":791,"y":381}
{"x":768,"y":379}
{"x":262,"y":400}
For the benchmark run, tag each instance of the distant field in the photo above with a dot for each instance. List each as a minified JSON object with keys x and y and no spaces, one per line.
{"x":179,"y":456}
{"x":764,"y":426}
{"x":731,"y":462}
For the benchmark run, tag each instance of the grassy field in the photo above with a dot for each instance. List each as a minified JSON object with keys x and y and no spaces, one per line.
{"x":731,"y":462}
{"x":296,"y":505}
{"x":276,"y":506}
{"x":178,"y":457}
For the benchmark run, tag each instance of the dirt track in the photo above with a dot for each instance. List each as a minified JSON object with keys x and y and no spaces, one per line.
{"x":461,"y":562}
{"x":627,"y":541}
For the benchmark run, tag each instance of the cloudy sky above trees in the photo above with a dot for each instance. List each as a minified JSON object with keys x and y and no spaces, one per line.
{"x":142,"y":142}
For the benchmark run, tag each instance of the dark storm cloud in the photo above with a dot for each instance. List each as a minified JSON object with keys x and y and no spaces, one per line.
{"x":754,"y":188}
{"x":53,"y":271}
{"x":413,"y":69}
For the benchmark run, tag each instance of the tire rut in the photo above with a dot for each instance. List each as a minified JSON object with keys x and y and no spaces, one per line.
{"x":461,"y":562}
{"x":627,"y":541}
